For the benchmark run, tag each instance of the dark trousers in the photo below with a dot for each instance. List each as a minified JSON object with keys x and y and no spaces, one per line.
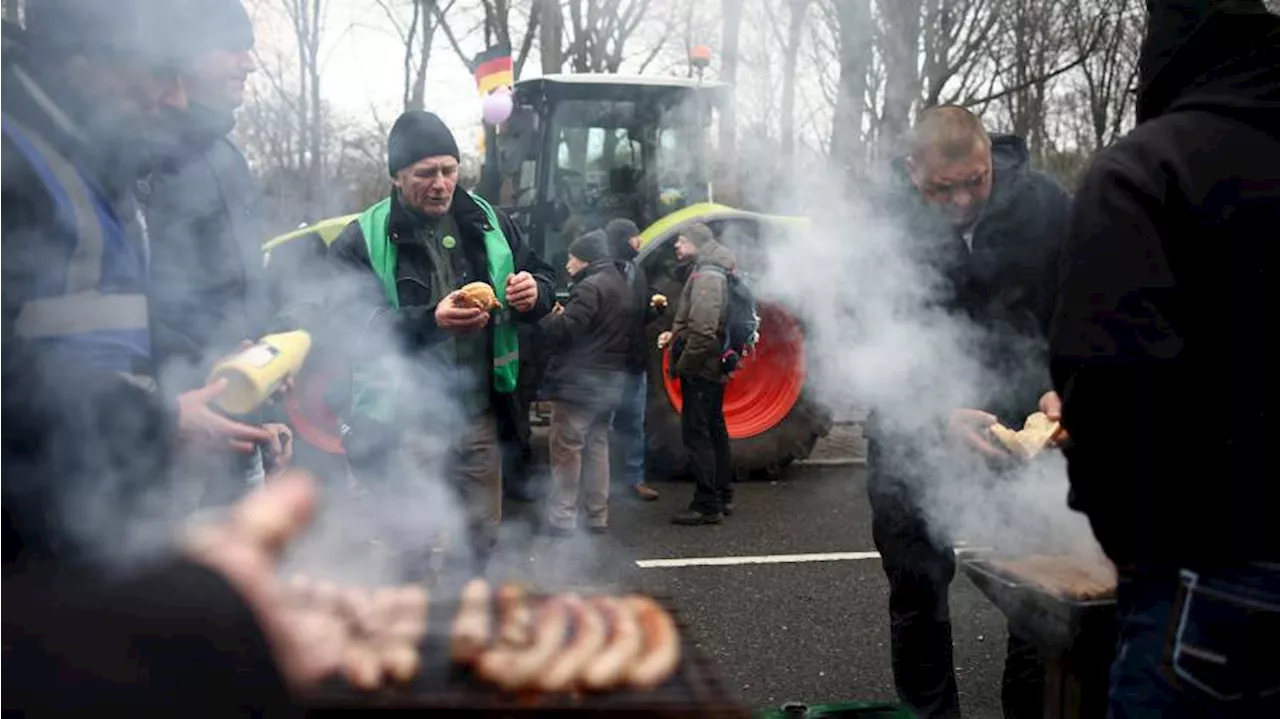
{"x":919,"y":570}
{"x":706,"y":440}
{"x":1197,"y":643}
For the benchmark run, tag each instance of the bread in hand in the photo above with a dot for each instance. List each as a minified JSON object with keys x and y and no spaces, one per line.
{"x":479,"y":295}
{"x":1027,"y":442}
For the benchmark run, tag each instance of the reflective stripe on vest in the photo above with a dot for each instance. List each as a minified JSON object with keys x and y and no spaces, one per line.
{"x":114,"y":322}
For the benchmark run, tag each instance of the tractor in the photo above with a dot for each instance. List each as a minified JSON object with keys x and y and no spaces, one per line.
{"x":577,"y":151}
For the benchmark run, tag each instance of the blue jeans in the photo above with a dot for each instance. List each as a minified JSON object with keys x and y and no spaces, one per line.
{"x":628,"y":426}
{"x":1197,"y":644}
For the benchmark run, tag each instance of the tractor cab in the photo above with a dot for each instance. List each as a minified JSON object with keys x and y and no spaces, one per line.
{"x":580,"y":150}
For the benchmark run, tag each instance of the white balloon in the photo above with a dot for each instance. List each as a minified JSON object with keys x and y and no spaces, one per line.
{"x":497,"y":107}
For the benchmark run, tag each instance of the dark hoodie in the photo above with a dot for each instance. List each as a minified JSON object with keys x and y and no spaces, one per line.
{"x":591,"y":339}
{"x":1004,"y":283}
{"x":208,"y":287}
{"x":620,"y":233}
{"x":1159,"y":342}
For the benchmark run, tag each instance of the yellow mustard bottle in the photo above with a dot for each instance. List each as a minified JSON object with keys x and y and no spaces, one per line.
{"x":255,"y":373}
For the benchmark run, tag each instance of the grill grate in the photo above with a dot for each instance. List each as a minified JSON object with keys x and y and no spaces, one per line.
{"x":695,"y":689}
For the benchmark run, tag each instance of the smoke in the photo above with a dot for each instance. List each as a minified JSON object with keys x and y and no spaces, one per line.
{"x":128,"y":513}
{"x":881,"y":338}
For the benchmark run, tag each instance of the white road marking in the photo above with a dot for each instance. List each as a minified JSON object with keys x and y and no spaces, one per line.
{"x":768,"y":559}
{"x":762,"y":559}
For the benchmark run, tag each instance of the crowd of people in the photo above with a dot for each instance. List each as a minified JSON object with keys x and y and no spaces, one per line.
{"x":403,"y":268}
{"x":132,"y":266}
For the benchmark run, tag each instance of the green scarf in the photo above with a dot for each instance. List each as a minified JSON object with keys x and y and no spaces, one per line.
{"x":501,"y":265}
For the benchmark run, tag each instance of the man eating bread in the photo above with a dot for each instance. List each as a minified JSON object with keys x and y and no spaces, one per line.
{"x":447,"y":276}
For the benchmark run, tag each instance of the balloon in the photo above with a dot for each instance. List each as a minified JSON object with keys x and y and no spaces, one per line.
{"x":497,"y":107}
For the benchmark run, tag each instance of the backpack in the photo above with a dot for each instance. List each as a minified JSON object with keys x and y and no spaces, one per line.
{"x":741,"y":322}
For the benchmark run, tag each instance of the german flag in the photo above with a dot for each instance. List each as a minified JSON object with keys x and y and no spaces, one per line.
{"x":493,"y":69}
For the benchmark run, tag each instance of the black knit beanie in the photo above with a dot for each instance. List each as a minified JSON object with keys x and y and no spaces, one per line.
{"x":591,"y":247}
{"x":215,"y":24}
{"x":418,"y":134}
{"x":146,"y":30}
{"x":620,"y":232}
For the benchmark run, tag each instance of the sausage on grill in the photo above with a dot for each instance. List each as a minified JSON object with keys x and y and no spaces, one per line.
{"x":609,"y":668}
{"x":471,"y":626}
{"x":661,"y":652}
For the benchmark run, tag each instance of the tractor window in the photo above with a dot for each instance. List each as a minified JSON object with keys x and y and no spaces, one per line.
{"x":619,"y":158}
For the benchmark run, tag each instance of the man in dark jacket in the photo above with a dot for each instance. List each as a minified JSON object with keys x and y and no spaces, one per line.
{"x":628,"y":420}
{"x":1160,"y":353}
{"x":208,"y":292}
{"x":403,"y":262}
{"x":592,"y":341}
{"x":989,"y":225}
{"x":697,"y":338}
{"x":85,"y":433}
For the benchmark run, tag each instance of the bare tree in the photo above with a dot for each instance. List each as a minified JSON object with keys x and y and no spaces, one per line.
{"x":1114,"y":33}
{"x":1032,"y":47}
{"x":789,"y":42}
{"x":730,"y":32}
{"x":551,"y":40}
{"x":853,"y":24}
{"x":13,"y":11}
{"x":416,"y":34}
{"x":599,"y":31}
{"x":499,"y":19}
{"x":900,"y":48}
{"x":286,"y":126}
{"x":955,"y":40}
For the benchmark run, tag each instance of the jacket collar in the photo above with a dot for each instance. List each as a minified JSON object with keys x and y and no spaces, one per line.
{"x":593,"y":269}
{"x":182,"y":135}
{"x":466,"y":214}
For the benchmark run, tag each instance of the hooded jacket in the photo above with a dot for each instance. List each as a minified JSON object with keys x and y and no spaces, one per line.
{"x":592,"y":338}
{"x":698,"y":327}
{"x":638,"y":282}
{"x":81,"y":423}
{"x":1004,"y":283}
{"x":1160,"y":348}
{"x":209,"y":289}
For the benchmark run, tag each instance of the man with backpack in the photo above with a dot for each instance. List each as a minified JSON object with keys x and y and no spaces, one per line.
{"x":704,"y":351}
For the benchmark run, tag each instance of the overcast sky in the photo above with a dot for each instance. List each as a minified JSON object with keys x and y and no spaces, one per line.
{"x":363,"y":65}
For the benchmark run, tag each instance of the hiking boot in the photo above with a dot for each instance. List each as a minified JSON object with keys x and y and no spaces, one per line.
{"x":557,"y":532}
{"x":644,"y":492}
{"x":692,"y":517}
{"x":599,"y":529}
{"x":727,"y":509}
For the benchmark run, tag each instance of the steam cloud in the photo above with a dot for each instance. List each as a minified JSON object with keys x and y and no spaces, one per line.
{"x":878,"y":340}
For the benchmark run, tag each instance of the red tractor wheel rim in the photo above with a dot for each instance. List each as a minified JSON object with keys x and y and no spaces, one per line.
{"x":309,"y":413}
{"x":768,"y":383}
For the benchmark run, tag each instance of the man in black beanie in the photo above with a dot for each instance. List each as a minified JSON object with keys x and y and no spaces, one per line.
{"x":592,"y":343}
{"x":628,"y":421}
{"x":82,"y":91}
{"x":406,"y":258}
{"x":1160,"y":351}
{"x":208,"y":289}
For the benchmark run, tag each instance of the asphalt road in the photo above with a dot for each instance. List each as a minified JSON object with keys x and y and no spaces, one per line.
{"x":815,"y":632}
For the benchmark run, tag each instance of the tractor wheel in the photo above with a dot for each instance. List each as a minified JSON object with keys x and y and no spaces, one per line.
{"x":771,"y":419}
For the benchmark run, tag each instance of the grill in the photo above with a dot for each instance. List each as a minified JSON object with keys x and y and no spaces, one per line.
{"x":1076,"y":637}
{"x":695,"y":689}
